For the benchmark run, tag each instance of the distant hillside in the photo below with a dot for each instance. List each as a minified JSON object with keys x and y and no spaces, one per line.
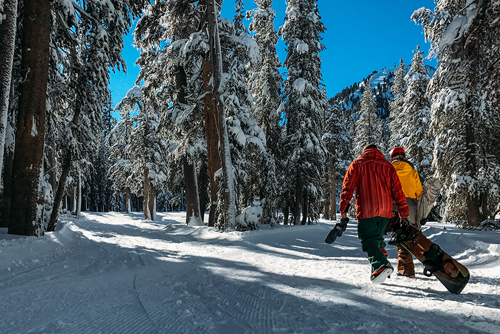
{"x":380,"y":82}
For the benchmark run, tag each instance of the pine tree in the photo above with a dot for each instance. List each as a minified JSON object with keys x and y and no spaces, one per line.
{"x":247,"y":141}
{"x":396,"y":105}
{"x":415,"y":118}
{"x":149,"y":164}
{"x":121,"y":167}
{"x":336,"y":143}
{"x":266,"y":80}
{"x":369,"y":125}
{"x":304,"y":106}
{"x":176,"y":79}
{"x":465,"y":114}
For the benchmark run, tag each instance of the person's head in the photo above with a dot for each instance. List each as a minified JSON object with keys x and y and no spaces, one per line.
{"x":367,"y":147}
{"x":397,"y":153}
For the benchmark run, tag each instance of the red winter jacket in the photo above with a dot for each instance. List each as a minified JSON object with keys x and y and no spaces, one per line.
{"x":376,"y":183}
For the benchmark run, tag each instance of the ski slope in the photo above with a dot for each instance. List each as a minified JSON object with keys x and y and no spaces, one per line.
{"x":116,"y":273}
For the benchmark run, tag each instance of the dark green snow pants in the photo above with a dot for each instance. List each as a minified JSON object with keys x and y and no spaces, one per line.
{"x":371,"y":232}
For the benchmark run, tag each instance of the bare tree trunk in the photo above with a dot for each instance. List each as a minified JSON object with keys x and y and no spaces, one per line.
{"x":298,"y":199}
{"x":30,"y":135}
{"x":327,"y":211}
{"x":202,"y":189}
{"x":286,"y":213}
{"x":7,"y":187}
{"x":145,"y":191}
{"x":79,"y":195}
{"x":8,"y":30}
{"x":225,"y":154}
{"x":333,"y":194}
{"x":152,"y":201}
{"x":128,"y":209}
{"x":193,"y":216}
{"x":73,"y":206}
{"x":305,"y":208}
{"x":210,"y":108}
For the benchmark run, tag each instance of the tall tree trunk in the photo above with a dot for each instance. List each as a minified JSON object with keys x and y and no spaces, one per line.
{"x":224,"y":153}
{"x":145,"y":191}
{"x":73,"y":199}
{"x":286,"y":213}
{"x":128,"y":209}
{"x":210,"y":108}
{"x":333,"y":192}
{"x":152,"y":201}
{"x":305,"y":208}
{"x":7,"y":187}
{"x":78,"y":195}
{"x":30,"y":135}
{"x":327,"y":210}
{"x":202,"y":189}
{"x":7,"y":45}
{"x":298,"y":199}
{"x":193,"y":216}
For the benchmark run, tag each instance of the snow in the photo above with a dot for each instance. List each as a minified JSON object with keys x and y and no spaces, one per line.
{"x":117,"y":273}
{"x":300,"y":85}
{"x":134,"y":92}
{"x":34,"y":132}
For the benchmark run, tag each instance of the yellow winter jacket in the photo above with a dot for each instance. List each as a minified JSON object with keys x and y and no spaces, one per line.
{"x":408,"y":176}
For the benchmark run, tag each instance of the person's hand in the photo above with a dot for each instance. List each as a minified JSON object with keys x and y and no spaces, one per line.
{"x":404,"y":219}
{"x":343,"y":214}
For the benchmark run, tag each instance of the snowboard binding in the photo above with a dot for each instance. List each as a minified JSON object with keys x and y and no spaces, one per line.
{"x":337,"y":231}
{"x":433,"y":260}
{"x":402,"y":232}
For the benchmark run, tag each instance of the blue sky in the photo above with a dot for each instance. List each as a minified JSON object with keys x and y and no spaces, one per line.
{"x":361,"y":36}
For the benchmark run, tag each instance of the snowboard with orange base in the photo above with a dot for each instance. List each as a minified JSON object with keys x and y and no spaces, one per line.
{"x":451,"y":273}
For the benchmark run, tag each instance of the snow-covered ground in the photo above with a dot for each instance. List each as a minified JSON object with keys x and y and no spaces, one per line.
{"x":116,"y":273}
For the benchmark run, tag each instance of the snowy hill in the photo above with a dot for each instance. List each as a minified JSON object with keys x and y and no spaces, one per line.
{"x":380,"y":81}
{"x":116,"y":273}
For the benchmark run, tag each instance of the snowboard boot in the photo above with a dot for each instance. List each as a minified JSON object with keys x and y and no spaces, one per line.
{"x":378,"y":276}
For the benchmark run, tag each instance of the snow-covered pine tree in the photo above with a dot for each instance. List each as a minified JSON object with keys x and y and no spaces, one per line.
{"x":251,"y":163}
{"x":266,"y":80}
{"x":336,"y":143}
{"x":414,"y":119}
{"x":465,"y":113}
{"x":369,"y":125}
{"x":170,"y":31}
{"x":149,"y":166}
{"x":304,"y":105}
{"x":396,"y":104}
{"x":98,"y":191}
{"x":121,"y":159}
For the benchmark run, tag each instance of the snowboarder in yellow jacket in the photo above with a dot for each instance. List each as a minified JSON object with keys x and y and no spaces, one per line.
{"x":412,"y":187}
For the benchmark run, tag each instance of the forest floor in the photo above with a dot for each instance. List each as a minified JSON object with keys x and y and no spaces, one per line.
{"x":116,"y":273}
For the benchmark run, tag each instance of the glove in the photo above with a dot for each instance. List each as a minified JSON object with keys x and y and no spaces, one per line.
{"x":408,"y":221}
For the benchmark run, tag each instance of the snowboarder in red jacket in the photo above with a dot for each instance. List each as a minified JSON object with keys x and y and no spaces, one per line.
{"x":377,"y":185}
